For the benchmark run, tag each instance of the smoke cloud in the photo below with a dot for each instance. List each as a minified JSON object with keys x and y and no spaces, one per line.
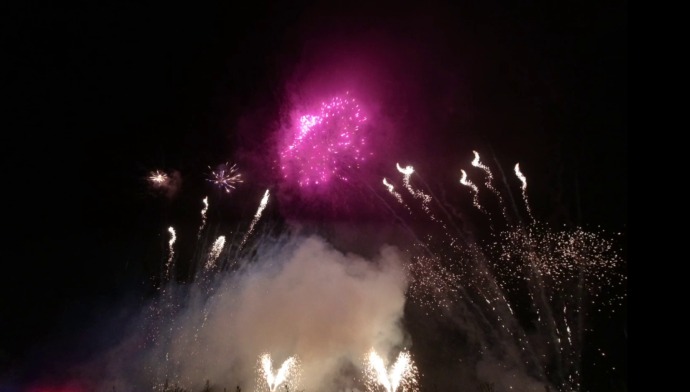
{"x":299,"y":298}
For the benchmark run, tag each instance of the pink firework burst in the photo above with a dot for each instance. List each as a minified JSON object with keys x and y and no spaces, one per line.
{"x":325,"y":146}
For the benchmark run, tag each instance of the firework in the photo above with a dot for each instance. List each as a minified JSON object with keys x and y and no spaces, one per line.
{"x":519,"y":299}
{"x":401,"y":377}
{"x":475,"y":191}
{"x":171,"y":251}
{"x":158,"y":178}
{"x":391,"y":190}
{"x":325,"y":146}
{"x":426,"y":199}
{"x":257,"y":216}
{"x":203,"y":217}
{"x":523,"y":179}
{"x":286,"y":375}
{"x":225,"y":177}
{"x":489,"y":181}
{"x":215,"y":252}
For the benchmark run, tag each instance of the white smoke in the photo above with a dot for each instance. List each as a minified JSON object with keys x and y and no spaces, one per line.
{"x":302,"y":298}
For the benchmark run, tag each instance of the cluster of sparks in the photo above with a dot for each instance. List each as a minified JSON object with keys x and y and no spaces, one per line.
{"x":158,"y":178}
{"x":561,"y":269}
{"x":226,"y":177}
{"x":287,"y":374}
{"x":215,"y":252}
{"x":326,"y":145}
{"x":401,"y":377}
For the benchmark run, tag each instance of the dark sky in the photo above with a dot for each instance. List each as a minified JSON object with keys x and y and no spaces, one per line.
{"x":101,"y":93}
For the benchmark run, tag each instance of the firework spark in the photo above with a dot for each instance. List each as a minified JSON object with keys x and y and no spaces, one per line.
{"x":326,"y":145}
{"x":475,"y":191}
{"x":523,"y":179}
{"x":489,"y":181}
{"x":203,"y":216}
{"x":401,"y":377}
{"x":391,"y":190}
{"x":225,"y":178}
{"x":171,"y":251}
{"x":215,"y":252}
{"x":426,"y":199}
{"x":158,"y":178}
{"x":257,"y":216}
{"x":284,"y":375}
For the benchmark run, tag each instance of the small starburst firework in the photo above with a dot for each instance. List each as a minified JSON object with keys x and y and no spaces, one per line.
{"x":226,"y":177}
{"x":158,"y":178}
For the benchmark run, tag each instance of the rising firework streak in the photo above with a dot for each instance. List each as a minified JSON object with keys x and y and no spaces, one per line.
{"x":523,"y":179}
{"x":257,"y":216}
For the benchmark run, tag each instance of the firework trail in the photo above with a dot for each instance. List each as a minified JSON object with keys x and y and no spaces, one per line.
{"x":225,"y":178}
{"x":282,"y":376}
{"x":257,"y":216}
{"x":171,"y":252}
{"x":426,"y":199}
{"x":402,"y":374}
{"x":398,"y":197}
{"x":475,"y":191}
{"x":203,"y":217}
{"x":523,"y":179}
{"x":489,"y":181}
{"x":215,"y":252}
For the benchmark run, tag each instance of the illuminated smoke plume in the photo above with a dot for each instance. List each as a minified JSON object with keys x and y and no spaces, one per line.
{"x":325,"y":145}
{"x":257,"y":216}
{"x":402,"y":376}
{"x":225,"y":177}
{"x":296,"y":297}
{"x":523,"y":179}
{"x":287,"y":375}
{"x":489,"y":181}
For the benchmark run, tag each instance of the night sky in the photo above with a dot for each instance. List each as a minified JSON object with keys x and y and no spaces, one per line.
{"x":101,"y":94}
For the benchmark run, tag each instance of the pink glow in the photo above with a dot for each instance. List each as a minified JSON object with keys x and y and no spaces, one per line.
{"x":326,"y":145}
